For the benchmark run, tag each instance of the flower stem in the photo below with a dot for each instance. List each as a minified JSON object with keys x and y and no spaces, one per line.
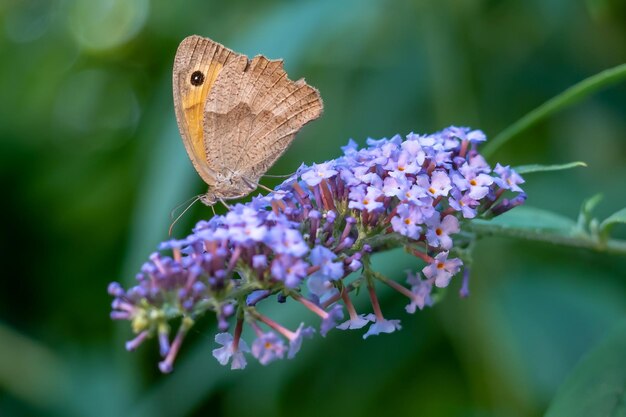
{"x":374,"y":299}
{"x":393,"y":284}
{"x":311,"y":306}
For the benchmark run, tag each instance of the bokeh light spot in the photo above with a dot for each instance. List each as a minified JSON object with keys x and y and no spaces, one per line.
{"x":105,"y":24}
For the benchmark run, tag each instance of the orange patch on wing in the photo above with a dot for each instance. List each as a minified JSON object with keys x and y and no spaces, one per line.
{"x":193,"y":107}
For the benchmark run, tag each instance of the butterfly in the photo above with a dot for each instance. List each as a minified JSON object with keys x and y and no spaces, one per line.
{"x":236,"y":116}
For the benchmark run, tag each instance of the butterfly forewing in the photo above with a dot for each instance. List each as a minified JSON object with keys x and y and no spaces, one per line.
{"x":197,"y":65}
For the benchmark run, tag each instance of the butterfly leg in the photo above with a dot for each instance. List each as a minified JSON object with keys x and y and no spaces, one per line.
{"x":224,"y":203}
{"x":279,"y":176}
{"x":254,"y":185}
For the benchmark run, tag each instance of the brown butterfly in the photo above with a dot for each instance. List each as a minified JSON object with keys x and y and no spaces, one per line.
{"x":236,"y":116}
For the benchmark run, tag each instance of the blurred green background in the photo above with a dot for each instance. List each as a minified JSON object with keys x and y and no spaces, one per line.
{"x":92,"y":164}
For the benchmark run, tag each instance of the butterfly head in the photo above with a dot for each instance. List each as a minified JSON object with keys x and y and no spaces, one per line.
{"x":209,"y":198}
{"x":228,"y":188}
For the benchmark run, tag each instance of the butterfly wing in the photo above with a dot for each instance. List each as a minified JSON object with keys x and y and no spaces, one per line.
{"x":197,"y":65}
{"x":253,"y":114}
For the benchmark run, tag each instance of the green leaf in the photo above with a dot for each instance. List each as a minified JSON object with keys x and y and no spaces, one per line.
{"x":532,"y":224}
{"x":586,"y":211}
{"x":30,"y":371}
{"x":571,"y":96}
{"x":544,"y":226}
{"x":530,"y":218}
{"x":590,"y":204}
{"x":597,"y":386}
{"x":612,"y":220}
{"x":528,"y":169}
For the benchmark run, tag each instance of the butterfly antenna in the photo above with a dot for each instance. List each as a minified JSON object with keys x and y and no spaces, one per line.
{"x":196,"y":198}
{"x":184,"y":203}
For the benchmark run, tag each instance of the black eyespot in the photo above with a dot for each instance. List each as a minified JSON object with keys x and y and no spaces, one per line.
{"x":197,"y":78}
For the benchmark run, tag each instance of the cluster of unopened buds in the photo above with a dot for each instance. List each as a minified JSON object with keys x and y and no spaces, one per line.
{"x":312,"y":240}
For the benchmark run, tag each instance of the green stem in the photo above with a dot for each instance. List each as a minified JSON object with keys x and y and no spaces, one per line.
{"x":611,"y":246}
{"x":571,"y":96}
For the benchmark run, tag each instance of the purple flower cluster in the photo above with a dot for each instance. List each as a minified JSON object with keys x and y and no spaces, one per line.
{"x":311,"y":240}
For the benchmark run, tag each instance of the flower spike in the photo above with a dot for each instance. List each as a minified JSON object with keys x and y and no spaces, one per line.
{"x":309,"y":239}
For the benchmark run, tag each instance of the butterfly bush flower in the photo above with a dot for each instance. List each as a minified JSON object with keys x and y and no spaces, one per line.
{"x":229,"y":352}
{"x":268,"y":347}
{"x":312,"y":241}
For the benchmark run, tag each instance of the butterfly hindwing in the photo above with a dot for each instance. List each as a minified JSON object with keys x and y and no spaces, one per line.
{"x":253,"y":114}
